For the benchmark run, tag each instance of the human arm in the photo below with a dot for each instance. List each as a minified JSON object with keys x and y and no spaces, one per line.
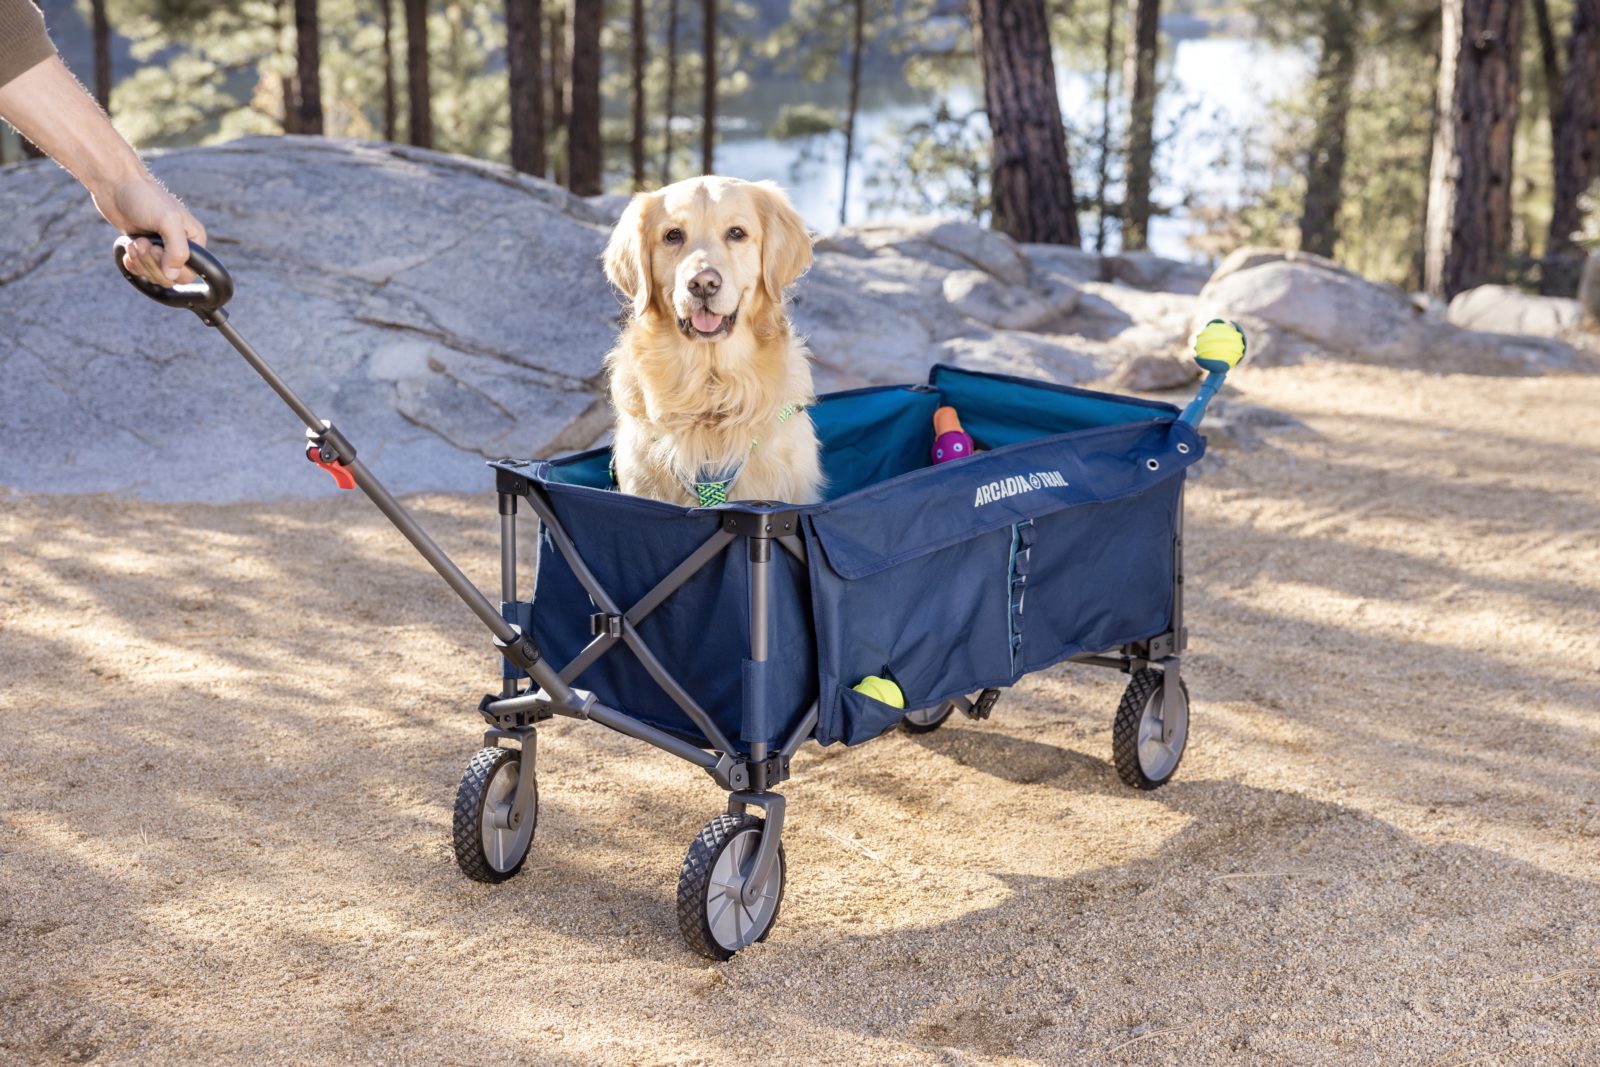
{"x":48,"y":106}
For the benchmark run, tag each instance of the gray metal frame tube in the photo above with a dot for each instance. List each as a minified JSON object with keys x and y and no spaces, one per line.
{"x":508,"y":567}
{"x":760,"y":596}
{"x":627,"y":724}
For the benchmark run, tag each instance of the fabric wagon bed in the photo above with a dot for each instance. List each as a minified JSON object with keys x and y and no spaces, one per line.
{"x":1060,"y":538}
{"x":730,"y":635}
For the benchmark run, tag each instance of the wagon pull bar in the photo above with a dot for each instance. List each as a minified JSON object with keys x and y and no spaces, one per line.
{"x":331,"y":450}
{"x":1218,"y":349}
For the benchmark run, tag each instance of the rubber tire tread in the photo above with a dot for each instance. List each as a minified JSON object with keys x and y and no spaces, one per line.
{"x":1125,"y":730}
{"x":467,"y":823}
{"x":695,"y":875}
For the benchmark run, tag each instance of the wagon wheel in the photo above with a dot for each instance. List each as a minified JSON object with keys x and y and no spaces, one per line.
{"x":715,"y":921}
{"x":927,"y":720}
{"x":1144,"y":760}
{"x":492,"y":829}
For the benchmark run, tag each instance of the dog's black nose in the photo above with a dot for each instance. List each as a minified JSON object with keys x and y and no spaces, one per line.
{"x":705,"y":284}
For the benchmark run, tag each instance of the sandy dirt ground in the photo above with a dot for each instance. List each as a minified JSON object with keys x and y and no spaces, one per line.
{"x":232,"y":737}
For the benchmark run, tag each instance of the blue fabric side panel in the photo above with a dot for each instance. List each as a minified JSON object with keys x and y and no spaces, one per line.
{"x":883,"y":525}
{"x":999,"y":410}
{"x":938,"y":622}
{"x":630,"y":544}
{"x":1100,"y":576}
{"x":864,"y":718}
{"x":701,"y":633}
{"x":871,"y":435}
{"x":591,"y":468}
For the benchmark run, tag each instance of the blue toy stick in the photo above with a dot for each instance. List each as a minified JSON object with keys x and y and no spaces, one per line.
{"x":1218,"y":349}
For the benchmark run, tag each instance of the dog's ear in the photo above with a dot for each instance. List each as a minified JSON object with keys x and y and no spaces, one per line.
{"x":785,"y":242}
{"x":626,"y":260}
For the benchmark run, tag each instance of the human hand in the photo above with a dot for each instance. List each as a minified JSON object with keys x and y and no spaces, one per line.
{"x":138,"y":204}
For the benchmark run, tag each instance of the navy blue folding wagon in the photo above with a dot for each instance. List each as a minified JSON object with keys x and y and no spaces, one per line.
{"x":730,"y":635}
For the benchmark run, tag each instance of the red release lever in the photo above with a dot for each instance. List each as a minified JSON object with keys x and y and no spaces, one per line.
{"x":341,"y":473}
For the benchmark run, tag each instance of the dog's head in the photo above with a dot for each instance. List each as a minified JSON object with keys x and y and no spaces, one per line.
{"x":708,"y":253}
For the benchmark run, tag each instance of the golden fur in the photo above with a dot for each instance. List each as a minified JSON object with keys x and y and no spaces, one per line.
{"x":686,"y":404}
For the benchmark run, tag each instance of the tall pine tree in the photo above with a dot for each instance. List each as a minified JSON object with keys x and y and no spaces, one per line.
{"x":1030,"y":178}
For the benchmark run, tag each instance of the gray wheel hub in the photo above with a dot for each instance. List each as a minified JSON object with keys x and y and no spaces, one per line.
{"x":733,"y":922}
{"x":1158,"y":758}
{"x":506,"y":834}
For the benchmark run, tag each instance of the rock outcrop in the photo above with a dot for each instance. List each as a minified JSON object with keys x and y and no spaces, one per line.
{"x":1506,"y":309}
{"x":1296,"y":307}
{"x":443,"y":311}
{"x":439,"y":310}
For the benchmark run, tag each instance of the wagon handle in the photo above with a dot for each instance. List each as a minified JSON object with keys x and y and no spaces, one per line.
{"x":330,"y":449}
{"x":1218,"y":349}
{"x":204,"y":297}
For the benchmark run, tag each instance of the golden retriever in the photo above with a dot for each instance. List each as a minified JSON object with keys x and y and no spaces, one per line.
{"x":708,"y":380}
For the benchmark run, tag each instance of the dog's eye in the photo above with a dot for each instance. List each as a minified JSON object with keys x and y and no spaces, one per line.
{"x":737,"y":234}
{"x":673,"y":236}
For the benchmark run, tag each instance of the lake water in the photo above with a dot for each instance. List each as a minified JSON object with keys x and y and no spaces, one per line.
{"x":1216,"y":92}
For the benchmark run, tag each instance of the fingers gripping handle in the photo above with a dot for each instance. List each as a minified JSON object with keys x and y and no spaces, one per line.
{"x":205,"y":297}
{"x":1218,"y":349}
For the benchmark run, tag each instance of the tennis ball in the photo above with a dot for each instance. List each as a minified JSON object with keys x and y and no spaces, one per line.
{"x":882,"y":690}
{"x":1220,"y":346}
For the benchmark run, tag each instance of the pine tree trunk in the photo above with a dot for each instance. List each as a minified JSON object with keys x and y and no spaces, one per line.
{"x":102,"y":54}
{"x":853,"y":105}
{"x":558,"y":70}
{"x":290,"y":94}
{"x":672,"y":91}
{"x":560,"y":90}
{"x":1549,"y":60}
{"x":583,"y":118}
{"x":1417,"y":278}
{"x":708,"y":108}
{"x":1139,"y":72}
{"x":1030,"y":179}
{"x":1577,"y":148}
{"x":525,"y":75}
{"x":1336,"y":68}
{"x":386,"y":13}
{"x":639,"y":32}
{"x":1103,"y":164}
{"x":420,"y":126}
{"x":308,"y":67}
{"x":1469,"y":200}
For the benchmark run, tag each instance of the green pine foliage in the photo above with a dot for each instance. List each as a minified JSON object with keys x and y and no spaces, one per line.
{"x":213,"y":70}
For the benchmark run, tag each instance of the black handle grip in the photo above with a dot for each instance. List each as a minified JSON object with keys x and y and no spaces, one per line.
{"x":213,"y":290}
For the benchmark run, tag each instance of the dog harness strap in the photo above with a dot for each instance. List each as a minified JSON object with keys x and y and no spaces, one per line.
{"x":712,"y":494}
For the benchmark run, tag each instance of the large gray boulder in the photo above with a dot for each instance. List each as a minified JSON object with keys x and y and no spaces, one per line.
{"x":884,"y":301}
{"x":950,"y":243}
{"x":439,"y":310}
{"x":1507,"y":309}
{"x":987,"y":299}
{"x":885,"y":318}
{"x":1154,"y":274}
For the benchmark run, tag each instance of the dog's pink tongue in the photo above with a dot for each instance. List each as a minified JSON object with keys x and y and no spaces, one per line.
{"x":705,"y":321}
